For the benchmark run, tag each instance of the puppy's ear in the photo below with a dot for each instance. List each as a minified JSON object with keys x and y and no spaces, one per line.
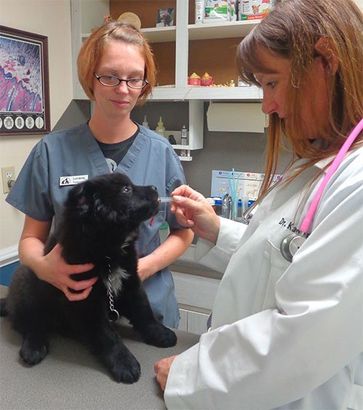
{"x":103,"y":211}
{"x":78,"y":199}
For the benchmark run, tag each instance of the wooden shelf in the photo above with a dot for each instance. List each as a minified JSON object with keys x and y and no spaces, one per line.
{"x":252,"y":93}
{"x":209,"y":31}
{"x":168,"y":93}
{"x":159,"y":34}
{"x":153,"y":34}
{"x":206,"y":31}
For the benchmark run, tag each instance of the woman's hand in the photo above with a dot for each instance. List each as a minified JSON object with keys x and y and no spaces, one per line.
{"x":54,"y":270}
{"x":161,"y":369}
{"x":192,"y":210}
{"x":165,"y":254}
{"x":51,"y":267}
{"x":145,"y":267}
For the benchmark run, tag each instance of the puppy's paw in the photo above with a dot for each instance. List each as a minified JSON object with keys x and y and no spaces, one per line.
{"x":32,"y":353}
{"x":159,"y":335}
{"x":125,"y":369}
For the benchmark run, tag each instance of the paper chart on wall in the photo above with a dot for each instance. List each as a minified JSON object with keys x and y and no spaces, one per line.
{"x":247,"y":183}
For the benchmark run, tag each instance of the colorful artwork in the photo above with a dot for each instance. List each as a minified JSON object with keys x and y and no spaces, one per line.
{"x":23,"y":82}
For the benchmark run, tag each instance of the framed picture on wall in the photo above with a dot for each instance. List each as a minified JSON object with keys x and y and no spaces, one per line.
{"x":24,"y":83}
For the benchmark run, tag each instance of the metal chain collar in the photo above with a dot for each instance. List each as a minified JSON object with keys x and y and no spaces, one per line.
{"x":113,"y":314}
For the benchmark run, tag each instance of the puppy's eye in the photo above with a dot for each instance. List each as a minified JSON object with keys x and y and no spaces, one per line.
{"x":126,"y":189}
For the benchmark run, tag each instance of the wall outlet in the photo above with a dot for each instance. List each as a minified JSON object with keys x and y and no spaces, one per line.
{"x":8,"y":177}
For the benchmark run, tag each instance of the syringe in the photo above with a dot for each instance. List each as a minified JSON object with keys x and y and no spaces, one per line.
{"x":165,"y":199}
{"x":168,"y":199}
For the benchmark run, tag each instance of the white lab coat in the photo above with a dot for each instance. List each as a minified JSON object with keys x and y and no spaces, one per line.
{"x":284,"y":335}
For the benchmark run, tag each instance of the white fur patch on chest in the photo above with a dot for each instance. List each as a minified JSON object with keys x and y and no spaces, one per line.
{"x":115,"y":279}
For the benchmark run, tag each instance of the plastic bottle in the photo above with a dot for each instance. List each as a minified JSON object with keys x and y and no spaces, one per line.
{"x":160,"y":129}
{"x":199,"y":11}
{"x":239,"y":215}
{"x":145,"y":123}
{"x":217,"y":205}
{"x":184,"y":140}
{"x":226,"y":206}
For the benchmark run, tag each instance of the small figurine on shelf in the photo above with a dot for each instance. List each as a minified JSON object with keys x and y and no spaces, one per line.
{"x":206,"y":80}
{"x":194,"y":79}
{"x":165,"y":17}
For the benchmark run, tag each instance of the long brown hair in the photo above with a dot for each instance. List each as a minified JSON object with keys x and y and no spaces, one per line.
{"x":291,"y":31}
{"x":92,"y":49}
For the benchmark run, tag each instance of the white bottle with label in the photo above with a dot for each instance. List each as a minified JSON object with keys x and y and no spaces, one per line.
{"x":199,"y":11}
{"x":184,"y":141}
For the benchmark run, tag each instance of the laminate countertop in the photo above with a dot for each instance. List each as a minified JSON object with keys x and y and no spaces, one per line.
{"x":71,"y":378}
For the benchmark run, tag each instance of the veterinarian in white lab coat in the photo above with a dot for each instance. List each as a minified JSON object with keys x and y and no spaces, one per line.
{"x":117,"y":71}
{"x":287,"y":322}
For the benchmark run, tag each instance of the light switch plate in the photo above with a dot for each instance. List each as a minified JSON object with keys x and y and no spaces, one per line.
{"x":7,"y":174}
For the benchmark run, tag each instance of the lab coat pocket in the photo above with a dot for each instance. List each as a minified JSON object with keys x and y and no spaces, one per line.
{"x":277,"y":266}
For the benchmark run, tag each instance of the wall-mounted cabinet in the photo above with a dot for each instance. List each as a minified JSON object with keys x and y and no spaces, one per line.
{"x":179,"y":50}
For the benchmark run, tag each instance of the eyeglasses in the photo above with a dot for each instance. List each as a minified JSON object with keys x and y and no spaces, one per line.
{"x":113,"y":81}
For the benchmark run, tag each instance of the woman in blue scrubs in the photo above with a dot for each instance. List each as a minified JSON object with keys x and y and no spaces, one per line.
{"x":117,"y":71}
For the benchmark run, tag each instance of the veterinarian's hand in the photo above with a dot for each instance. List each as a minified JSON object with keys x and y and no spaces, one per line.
{"x":57,"y":272}
{"x":161,"y":369}
{"x":192,"y":210}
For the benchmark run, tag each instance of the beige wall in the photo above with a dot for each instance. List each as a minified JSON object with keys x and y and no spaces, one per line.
{"x":52,"y":19}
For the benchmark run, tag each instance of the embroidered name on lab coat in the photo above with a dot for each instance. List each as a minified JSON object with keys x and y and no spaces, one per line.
{"x":292,"y":227}
{"x":72,"y":180}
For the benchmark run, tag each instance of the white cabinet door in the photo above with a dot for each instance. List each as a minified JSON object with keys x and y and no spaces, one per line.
{"x":195,"y":295}
{"x":183,"y":323}
{"x":194,"y":290}
{"x":192,"y":321}
{"x":197,"y":322}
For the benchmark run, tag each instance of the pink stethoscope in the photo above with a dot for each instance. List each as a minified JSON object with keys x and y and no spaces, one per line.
{"x":290,"y":245}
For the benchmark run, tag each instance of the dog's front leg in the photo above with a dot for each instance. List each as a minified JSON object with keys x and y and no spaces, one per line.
{"x":107,"y":344}
{"x":34,"y":329}
{"x":34,"y":348}
{"x":134,"y":304}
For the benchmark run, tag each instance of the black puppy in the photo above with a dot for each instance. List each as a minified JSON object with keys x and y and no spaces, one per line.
{"x":100,"y":225}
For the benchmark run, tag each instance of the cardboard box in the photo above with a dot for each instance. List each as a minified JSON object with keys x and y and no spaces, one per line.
{"x":254,"y":9}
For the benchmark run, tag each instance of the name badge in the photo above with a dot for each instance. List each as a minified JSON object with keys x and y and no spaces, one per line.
{"x":72,"y":180}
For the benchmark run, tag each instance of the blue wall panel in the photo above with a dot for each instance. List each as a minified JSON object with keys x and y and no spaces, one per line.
{"x":6,"y":273}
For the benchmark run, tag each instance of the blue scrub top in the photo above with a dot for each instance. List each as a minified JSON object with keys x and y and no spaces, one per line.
{"x":75,"y":153}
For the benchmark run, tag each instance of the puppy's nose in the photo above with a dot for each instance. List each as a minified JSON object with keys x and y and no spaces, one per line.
{"x":153,"y":187}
